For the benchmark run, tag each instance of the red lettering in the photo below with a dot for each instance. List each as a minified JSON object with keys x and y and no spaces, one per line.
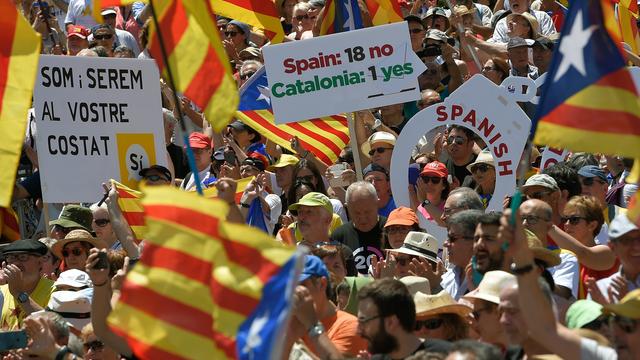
{"x":505,"y":168}
{"x":485,"y":127}
{"x":495,"y":138}
{"x":302,"y":65}
{"x":387,"y":49}
{"x":289,"y":67}
{"x":555,"y":151}
{"x":471,"y":118}
{"x":456,"y":110}
{"x":442,"y":113}
{"x":549,"y":162}
{"x":500,"y":150}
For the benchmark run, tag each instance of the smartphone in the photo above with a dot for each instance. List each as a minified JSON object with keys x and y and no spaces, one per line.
{"x":230,"y":158}
{"x":294,"y":143}
{"x":103,"y":261}
{"x":336,"y":171}
{"x":13,"y":340}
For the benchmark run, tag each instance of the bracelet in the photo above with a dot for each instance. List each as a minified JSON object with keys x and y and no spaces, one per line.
{"x":522,"y":270}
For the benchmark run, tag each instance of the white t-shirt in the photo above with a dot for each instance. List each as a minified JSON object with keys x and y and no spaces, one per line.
{"x":79,"y":13}
{"x":567,"y":274}
{"x":591,"y":350}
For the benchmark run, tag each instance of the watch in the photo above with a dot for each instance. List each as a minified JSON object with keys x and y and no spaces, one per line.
{"x":522,"y":269}
{"x":23,"y":297}
{"x":316,"y":330}
{"x":426,"y":203}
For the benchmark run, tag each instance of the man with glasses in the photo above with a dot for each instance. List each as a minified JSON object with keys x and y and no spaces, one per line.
{"x":459,"y":199}
{"x":379,"y":178}
{"x":104,"y":35}
{"x":315,"y":213}
{"x":123,"y":37}
{"x":379,"y":146}
{"x":24,"y":290}
{"x":416,"y":32}
{"x":386,"y":319}
{"x":459,"y":244}
{"x":201,"y":146}
{"x":459,"y":146}
{"x":625,"y":321}
{"x":72,"y":217}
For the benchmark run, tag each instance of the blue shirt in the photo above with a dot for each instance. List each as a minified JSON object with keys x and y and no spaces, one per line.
{"x":387,"y":209}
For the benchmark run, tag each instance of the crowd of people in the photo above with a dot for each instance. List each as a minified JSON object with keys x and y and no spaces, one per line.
{"x":555,"y":275}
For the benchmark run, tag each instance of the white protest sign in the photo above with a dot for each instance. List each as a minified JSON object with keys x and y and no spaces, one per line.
{"x":97,"y":118}
{"x":486,"y":109}
{"x":552,"y":156}
{"x":344,"y":72}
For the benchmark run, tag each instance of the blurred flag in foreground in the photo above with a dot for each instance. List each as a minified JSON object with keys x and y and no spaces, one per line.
{"x":259,"y":13}
{"x":204,"y":288}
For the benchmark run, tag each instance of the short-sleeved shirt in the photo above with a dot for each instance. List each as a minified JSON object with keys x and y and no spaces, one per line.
{"x":387,"y":209}
{"x":12,"y":313}
{"x":567,"y":274}
{"x":79,"y":13}
{"x":364,"y":244}
{"x":546,"y":27}
{"x":342,"y":330}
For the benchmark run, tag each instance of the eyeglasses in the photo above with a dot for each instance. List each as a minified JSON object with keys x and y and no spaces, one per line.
{"x":433,"y":179}
{"x":448,"y":211}
{"x":625,"y":324}
{"x":573,"y":219}
{"x":62,"y":229}
{"x":404,"y":261}
{"x":362,"y":321}
{"x":247,"y":75}
{"x":379,"y":150}
{"x":75,"y":252}
{"x":154,"y":178}
{"x":590,"y":181}
{"x":95,"y":345}
{"x":416,"y":31}
{"x":300,"y":17}
{"x":430,"y":324}
{"x":328,"y":244}
{"x":483,"y":168}
{"x":104,"y":222}
{"x":538,"y":195}
{"x":453,"y":238}
{"x":397,"y":229}
{"x":532,"y":219}
{"x":459,"y":140}
{"x":12,"y":258}
{"x":230,"y":33}
{"x":103,"y":37}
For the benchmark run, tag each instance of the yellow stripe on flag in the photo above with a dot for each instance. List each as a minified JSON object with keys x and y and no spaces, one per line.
{"x":212,"y":192}
{"x":252,"y":16}
{"x":603,"y":98}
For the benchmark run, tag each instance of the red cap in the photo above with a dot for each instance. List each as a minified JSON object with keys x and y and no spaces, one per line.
{"x":198,"y":140}
{"x":435,"y":168}
{"x":402,"y":216}
{"x":79,"y":31}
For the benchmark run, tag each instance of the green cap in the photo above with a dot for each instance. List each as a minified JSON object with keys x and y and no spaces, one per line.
{"x":314,"y":199}
{"x":74,"y":217}
{"x":582,"y":312}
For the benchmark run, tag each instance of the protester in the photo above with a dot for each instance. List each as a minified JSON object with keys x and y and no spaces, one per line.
{"x":378,"y":176}
{"x":440,"y":317}
{"x":484,"y":174}
{"x":461,"y":228}
{"x":72,"y":217}
{"x":74,"y":248}
{"x":400,"y":222}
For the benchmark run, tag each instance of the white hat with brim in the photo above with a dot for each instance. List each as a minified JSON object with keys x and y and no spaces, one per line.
{"x":416,"y":284}
{"x":378,"y":137}
{"x":483,"y":158}
{"x":441,"y":303}
{"x":419,"y":244}
{"x":489,"y":288}
{"x":73,"y":306}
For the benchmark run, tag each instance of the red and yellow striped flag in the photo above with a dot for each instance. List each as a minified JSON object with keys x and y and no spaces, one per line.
{"x":324,"y":137}
{"x":19,"y":54}
{"x":200,"y":283}
{"x":628,"y":20}
{"x":132,"y":210}
{"x":384,"y":11}
{"x":9,"y":224}
{"x":98,"y":5}
{"x":259,"y":13}
{"x":200,"y":67}
{"x":212,"y":192}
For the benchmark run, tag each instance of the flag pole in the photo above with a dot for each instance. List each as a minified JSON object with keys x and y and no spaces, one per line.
{"x":353,"y":139}
{"x":185,"y":134}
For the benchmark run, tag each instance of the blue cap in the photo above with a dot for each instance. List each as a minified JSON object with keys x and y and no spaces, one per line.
{"x":590,"y":171}
{"x":313,"y":266}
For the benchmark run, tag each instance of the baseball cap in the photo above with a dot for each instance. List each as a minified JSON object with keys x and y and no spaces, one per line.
{"x":582,"y":312}
{"x":108,"y":11}
{"x":314,"y":199}
{"x":413,"y":18}
{"x":78,"y":31}
{"x":621,"y":225}
{"x":74,"y":216}
{"x":198,"y":140}
{"x":242,"y":26}
{"x":313,"y":266}
{"x":590,"y":171}
{"x":401,"y":216}
{"x":543,"y":180}
{"x":239,"y":125}
{"x":376,"y":137}
{"x":436,"y":34}
{"x":161,"y":169}
{"x":74,"y":278}
{"x":516,"y":42}
{"x":628,"y":307}
{"x":73,"y":306}
{"x":374,"y":167}
{"x":435,"y":168}
{"x":285,"y":160}
{"x":28,"y":246}
{"x":438,"y":11}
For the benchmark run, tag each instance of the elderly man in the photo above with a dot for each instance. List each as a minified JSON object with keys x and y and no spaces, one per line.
{"x":363,"y":233}
{"x":501,"y":32}
{"x":537,"y":218}
{"x":460,"y":142}
{"x":379,"y":146}
{"x":416,"y":32}
{"x":314,"y":218}
{"x":201,"y":146}
{"x":460,"y":230}
{"x":123,"y":37}
{"x":461,"y":199}
{"x":72,"y":217}
{"x":379,"y":178}
{"x":77,"y":39}
{"x":544,"y":187}
{"x":24,"y":290}
{"x":518,"y":52}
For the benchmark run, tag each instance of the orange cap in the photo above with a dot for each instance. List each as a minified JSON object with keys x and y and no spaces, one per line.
{"x":402,"y":216}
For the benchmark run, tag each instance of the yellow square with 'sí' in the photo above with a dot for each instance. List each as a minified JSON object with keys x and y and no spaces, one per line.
{"x":135,"y":152}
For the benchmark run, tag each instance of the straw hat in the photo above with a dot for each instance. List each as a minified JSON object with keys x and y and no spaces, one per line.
{"x":441,"y":303}
{"x":492,"y":283}
{"x":483,"y":158}
{"x":73,"y":236}
{"x":533,"y":22}
{"x":419,"y":244}
{"x":378,"y":137}
{"x":540,"y":252}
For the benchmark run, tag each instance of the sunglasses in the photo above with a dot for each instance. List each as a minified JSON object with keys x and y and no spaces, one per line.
{"x":344,"y":160}
{"x":573,"y":219}
{"x":245,"y":76}
{"x":95,"y":345}
{"x":452,"y":238}
{"x":230,"y":33}
{"x":103,"y":37}
{"x":532,"y":219}
{"x":434,"y":179}
{"x":378,"y":150}
{"x":483,"y":168}
{"x":300,"y":17}
{"x":155,"y":178}
{"x":62,"y":229}
{"x":430,"y":324}
{"x":459,"y":140}
{"x":102,"y":222}
{"x":590,"y":181}
{"x":416,"y":31}
{"x":625,"y":324}
{"x":75,"y":252}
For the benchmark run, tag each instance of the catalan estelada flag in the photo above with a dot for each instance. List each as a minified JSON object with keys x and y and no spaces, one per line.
{"x":200,"y":67}
{"x":204,"y":288}
{"x":324,"y":137}
{"x":132,"y":210}
{"x":384,"y":11}
{"x":9,"y":224}
{"x":589,"y":101}
{"x":340,"y":16}
{"x":98,"y":5}
{"x":19,"y":54}
{"x":259,"y":13}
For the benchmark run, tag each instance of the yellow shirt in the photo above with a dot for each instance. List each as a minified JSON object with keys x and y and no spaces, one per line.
{"x":12,"y":313}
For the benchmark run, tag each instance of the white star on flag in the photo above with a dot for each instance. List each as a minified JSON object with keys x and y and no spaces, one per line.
{"x":348,"y":23}
{"x":572,"y":48}
{"x":265,"y":94}
{"x":253,"y":337}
